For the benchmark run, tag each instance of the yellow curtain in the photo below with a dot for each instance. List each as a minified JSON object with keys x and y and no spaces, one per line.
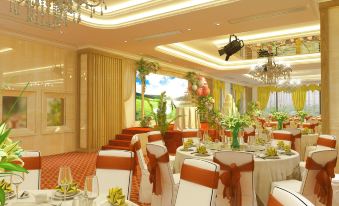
{"x":263,"y":96}
{"x":299,"y":98}
{"x":238,"y":90}
{"x":217,"y":87}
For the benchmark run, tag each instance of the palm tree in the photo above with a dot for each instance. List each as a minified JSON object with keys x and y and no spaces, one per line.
{"x":145,"y":68}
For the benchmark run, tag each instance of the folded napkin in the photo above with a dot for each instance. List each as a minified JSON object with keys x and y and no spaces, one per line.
{"x":73,"y":188}
{"x":281,"y":144}
{"x":202,"y":150}
{"x":116,"y":197}
{"x":271,"y":151}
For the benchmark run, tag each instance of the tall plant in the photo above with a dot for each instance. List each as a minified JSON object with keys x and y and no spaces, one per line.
{"x":144,"y":68}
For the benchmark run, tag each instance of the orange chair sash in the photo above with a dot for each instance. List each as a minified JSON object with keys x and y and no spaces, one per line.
{"x":200,"y":176}
{"x":112,"y":162}
{"x":32,"y":163}
{"x":134,"y":148}
{"x":283,"y":136}
{"x":189,"y":134}
{"x":231,"y":180}
{"x":154,"y":170}
{"x":323,"y":187}
{"x":326,"y":142}
{"x":272,"y":201}
{"x":154,"y":137}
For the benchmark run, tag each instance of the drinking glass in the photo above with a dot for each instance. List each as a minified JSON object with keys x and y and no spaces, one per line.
{"x":16,"y":179}
{"x":65,"y":179}
{"x":91,"y":188}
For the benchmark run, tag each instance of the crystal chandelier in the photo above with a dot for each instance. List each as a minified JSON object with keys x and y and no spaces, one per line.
{"x":270,"y":72}
{"x":55,"y":13}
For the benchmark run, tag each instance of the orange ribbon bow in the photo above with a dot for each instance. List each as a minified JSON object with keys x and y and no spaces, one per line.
{"x":272,"y":201}
{"x":154,"y":170}
{"x":231,"y":180}
{"x":134,"y":148}
{"x":323,"y":187}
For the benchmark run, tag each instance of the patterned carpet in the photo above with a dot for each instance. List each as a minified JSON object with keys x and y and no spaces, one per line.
{"x":82,"y":165}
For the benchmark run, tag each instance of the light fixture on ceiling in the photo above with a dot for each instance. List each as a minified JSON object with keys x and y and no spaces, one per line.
{"x":2,"y":50}
{"x":270,"y":72}
{"x":232,"y":47}
{"x":55,"y":13}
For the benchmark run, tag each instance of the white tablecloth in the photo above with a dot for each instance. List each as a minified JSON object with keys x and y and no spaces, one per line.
{"x":31,"y":200}
{"x":188,"y":118}
{"x":266,"y":171}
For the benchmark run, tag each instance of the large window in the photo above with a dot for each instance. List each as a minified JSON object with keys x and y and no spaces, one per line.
{"x":282,"y":101}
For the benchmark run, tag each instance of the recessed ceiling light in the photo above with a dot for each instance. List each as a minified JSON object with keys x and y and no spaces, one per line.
{"x":217,"y":24}
{"x":125,"y":41}
{"x":5,"y":50}
{"x":189,"y":29}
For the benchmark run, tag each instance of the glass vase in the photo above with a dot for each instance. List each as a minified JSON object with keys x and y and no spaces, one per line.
{"x":235,"y":141}
{"x":280,"y":124}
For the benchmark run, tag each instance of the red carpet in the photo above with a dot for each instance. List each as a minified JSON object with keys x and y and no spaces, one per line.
{"x":82,"y":165}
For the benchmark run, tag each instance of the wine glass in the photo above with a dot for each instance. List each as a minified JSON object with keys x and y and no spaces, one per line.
{"x":65,"y":179}
{"x":91,"y":188}
{"x":16,"y":179}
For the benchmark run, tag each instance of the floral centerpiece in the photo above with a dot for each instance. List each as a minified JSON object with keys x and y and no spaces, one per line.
{"x":302,"y":114}
{"x":271,"y":152}
{"x":201,"y":150}
{"x":280,"y":117}
{"x":116,"y":197}
{"x":235,"y":123}
{"x":281,"y":145}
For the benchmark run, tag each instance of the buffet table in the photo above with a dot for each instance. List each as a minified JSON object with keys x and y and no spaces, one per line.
{"x":30,"y":201}
{"x":265,"y":170}
{"x":187,"y":118}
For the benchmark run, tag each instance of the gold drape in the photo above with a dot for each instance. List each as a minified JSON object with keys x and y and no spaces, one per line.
{"x":238,"y":91}
{"x":263,"y":96}
{"x":104,"y":99}
{"x":217,"y":87}
{"x":128,"y":88}
{"x":299,"y":98}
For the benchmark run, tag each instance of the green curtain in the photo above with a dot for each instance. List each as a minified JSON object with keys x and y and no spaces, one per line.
{"x":263,"y":96}
{"x":217,"y":87}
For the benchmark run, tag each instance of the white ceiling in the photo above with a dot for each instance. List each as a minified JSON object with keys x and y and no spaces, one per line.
{"x":198,"y":24}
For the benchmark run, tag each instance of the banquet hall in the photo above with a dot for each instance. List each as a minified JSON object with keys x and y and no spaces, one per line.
{"x":169,"y":102}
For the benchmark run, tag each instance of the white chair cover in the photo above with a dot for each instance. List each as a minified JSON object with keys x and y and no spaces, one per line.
{"x":145,"y":190}
{"x":109,"y":178}
{"x":306,"y":186}
{"x":191,"y":193}
{"x":286,"y":197}
{"x":169,"y":182}
{"x":32,"y":179}
{"x":335,"y":187}
{"x":246,"y":180}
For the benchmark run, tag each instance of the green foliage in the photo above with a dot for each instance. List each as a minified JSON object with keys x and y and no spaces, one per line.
{"x":253,"y":109}
{"x":280,"y":116}
{"x":192,"y":78}
{"x":236,"y":122}
{"x":302,"y":114}
{"x":55,"y":114}
{"x":205,"y":107}
{"x":145,"y":68}
{"x":146,"y":121}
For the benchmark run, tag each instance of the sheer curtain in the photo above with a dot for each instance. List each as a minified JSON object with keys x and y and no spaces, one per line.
{"x":312,"y":105}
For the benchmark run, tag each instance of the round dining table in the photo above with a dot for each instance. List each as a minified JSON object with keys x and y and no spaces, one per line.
{"x":30,"y":200}
{"x":265,"y":172}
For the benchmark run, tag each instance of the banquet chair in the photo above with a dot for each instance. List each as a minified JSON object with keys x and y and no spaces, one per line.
{"x":319,"y":163}
{"x":245,"y":165}
{"x":324,"y":142}
{"x":32,"y":162}
{"x":165,"y":183}
{"x":282,"y":135}
{"x":155,"y":137}
{"x":335,"y":187}
{"x":198,"y":183}
{"x":114,"y":168}
{"x":186,"y":133}
{"x":145,"y":190}
{"x":281,"y":196}
{"x":250,"y":131}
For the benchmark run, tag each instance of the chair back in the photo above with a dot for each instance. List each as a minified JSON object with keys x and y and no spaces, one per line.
{"x":240,"y":159}
{"x":155,"y":137}
{"x":32,"y":162}
{"x":281,"y":196}
{"x":167,"y":184}
{"x":198,"y":183}
{"x":140,"y":156}
{"x":190,"y":133}
{"x":250,"y":131}
{"x":326,"y":141}
{"x":283,"y":135}
{"x":309,"y":182}
{"x":114,"y":168}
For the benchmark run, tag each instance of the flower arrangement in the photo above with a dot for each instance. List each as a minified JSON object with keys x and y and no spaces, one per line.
{"x":287,"y":149}
{"x":115,"y":197}
{"x":201,"y":150}
{"x":280,"y":117}
{"x":302,"y":114}
{"x":235,"y":123}
{"x":253,"y":109}
{"x":144,"y":68}
{"x":198,"y":85}
{"x":281,"y":144}
{"x":6,"y":186}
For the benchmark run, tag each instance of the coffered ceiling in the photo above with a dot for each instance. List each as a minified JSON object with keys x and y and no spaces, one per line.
{"x":186,"y":33}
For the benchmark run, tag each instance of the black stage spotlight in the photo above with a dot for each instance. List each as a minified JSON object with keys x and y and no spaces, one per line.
{"x":232,"y":47}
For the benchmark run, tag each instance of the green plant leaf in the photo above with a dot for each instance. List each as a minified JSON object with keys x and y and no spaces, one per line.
{"x":4,"y":136}
{"x":2,"y":197}
{"x":12,"y":167}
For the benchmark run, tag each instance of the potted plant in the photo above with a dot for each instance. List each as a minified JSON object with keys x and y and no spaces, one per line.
{"x":280,"y":117}
{"x":302,"y":114}
{"x":144,"y":68}
{"x":235,"y":123}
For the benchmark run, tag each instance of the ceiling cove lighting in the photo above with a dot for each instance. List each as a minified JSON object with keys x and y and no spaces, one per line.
{"x":273,"y":35}
{"x":34,"y":69}
{"x":3,"y":50}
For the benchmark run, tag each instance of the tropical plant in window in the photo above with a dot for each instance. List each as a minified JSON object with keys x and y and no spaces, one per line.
{"x":144,"y":68}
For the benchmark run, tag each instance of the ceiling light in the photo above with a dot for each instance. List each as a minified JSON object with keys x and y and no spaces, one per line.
{"x":34,"y":69}
{"x":217,"y":24}
{"x":189,"y":29}
{"x":125,"y":41}
{"x":2,"y":50}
